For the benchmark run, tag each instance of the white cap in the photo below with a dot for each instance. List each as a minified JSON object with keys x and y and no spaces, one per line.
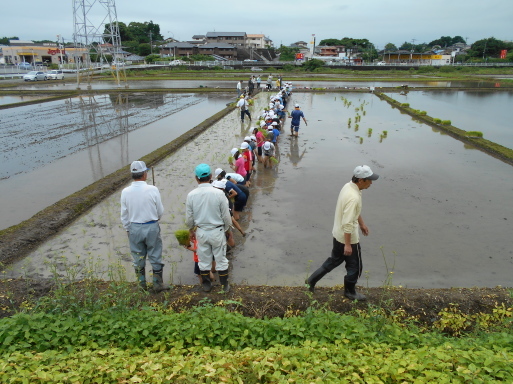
{"x":247,"y":138}
{"x":262,"y":123}
{"x":274,"y":123}
{"x":364,"y":172}
{"x":244,"y":145}
{"x":267,"y":145}
{"x":234,"y":151}
{"x":219,"y":184}
{"x":217,"y":172}
{"x":253,"y":137}
{"x":138,"y":166}
{"x":296,"y":105}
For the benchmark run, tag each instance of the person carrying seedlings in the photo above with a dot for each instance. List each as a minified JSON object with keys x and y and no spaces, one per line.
{"x":248,"y":161}
{"x":296,"y":116}
{"x":346,"y":242}
{"x":268,"y":149}
{"x":243,"y":106}
{"x":193,"y":248}
{"x":239,"y":163}
{"x":141,"y":210}
{"x":208,"y":218}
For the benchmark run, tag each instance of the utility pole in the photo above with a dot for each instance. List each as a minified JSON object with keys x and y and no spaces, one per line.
{"x":151,"y":43}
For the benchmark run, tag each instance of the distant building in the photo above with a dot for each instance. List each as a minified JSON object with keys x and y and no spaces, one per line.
{"x":224,"y":50}
{"x":255,"y":41}
{"x":237,"y":39}
{"x":28,"y":52}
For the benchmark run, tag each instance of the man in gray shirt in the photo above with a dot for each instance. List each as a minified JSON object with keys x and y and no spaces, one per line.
{"x":208,"y":218}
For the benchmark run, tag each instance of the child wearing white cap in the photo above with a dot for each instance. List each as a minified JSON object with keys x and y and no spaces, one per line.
{"x":268,"y":149}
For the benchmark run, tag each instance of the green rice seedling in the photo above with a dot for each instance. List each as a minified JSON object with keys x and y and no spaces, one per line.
{"x":230,"y":159}
{"x":446,"y":122}
{"x":369,"y":131}
{"x":475,"y":134}
{"x":274,"y":160}
{"x":385,"y":133}
{"x":364,"y":113}
{"x":182,"y":235}
{"x":405,"y":104}
{"x":356,"y":126}
{"x":361,"y":140}
{"x":437,"y":121}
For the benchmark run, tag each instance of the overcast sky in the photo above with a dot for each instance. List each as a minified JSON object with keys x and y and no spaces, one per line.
{"x":379,"y":21}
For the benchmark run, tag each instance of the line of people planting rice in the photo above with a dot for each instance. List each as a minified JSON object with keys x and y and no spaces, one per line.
{"x":213,"y":208}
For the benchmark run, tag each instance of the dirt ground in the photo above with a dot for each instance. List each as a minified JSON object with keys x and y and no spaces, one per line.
{"x":274,"y":301}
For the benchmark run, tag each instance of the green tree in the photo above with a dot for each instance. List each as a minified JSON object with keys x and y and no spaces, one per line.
{"x":5,"y":40}
{"x":312,"y":64}
{"x":287,"y":53}
{"x":330,"y":42}
{"x":144,"y":49}
{"x":490,"y":47}
{"x":447,"y":41}
{"x":390,"y":47}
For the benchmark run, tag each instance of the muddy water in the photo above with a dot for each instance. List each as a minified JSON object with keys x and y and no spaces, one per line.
{"x":439,"y":216}
{"x":8,"y":99}
{"x":69,"y":85}
{"x":77,"y":141}
{"x":488,"y":112}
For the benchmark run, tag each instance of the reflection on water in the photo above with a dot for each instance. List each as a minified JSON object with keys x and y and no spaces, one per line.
{"x":77,"y":141}
{"x":488,"y":112}
{"x":9,"y":99}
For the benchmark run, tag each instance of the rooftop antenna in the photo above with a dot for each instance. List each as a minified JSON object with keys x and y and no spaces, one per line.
{"x":100,"y":38}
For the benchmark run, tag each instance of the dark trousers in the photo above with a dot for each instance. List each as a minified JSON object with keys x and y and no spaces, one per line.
{"x":244,"y":112}
{"x":353,"y":262}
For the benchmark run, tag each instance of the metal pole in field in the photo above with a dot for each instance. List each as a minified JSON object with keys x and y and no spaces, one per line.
{"x":153,"y":175}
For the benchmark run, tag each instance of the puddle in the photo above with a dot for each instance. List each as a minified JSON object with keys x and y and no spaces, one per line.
{"x":439,"y":215}
{"x":8,"y":99}
{"x":51,"y":150}
{"x":488,"y":112}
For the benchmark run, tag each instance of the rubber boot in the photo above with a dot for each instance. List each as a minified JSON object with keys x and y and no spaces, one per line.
{"x":223,"y":278}
{"x":140,"y":274}
{"x":315,"y":277}
{"x":351,"y":294}
{"x":207,"y":283}
{"x":158,"y":281}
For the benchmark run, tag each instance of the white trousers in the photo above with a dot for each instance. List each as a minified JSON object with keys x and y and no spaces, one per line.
{"x":211,"y":243}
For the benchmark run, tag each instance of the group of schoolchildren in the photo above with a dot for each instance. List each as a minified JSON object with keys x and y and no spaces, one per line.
{"x":259,"y":146}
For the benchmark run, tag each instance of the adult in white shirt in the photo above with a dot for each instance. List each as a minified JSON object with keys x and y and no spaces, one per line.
{"x":346,"y":241}
{"x":239,"y":88}
{"x":208,"y":218}
{"x":141,"y":210}
{"x":243,"y":106}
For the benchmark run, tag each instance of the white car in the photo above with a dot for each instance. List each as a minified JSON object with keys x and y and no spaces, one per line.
{"x":381,"y":63}
{"x":34,"y":76}
{"x":55,"y":75}
{"x":256,"y":69}
{"x":177,"y":62}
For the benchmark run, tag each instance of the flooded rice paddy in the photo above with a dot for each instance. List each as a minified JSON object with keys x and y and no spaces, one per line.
{"x":50,"y":150}
{"x":488,"y":112}
{"x":439,"y":216}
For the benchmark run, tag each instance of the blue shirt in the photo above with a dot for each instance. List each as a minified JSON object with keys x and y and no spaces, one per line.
{"x":297,"y":114}
{"x":240,"y":195}
{"x":276,"y":133}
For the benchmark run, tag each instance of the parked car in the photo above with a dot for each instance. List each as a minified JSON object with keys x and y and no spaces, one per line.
{"x":256,"y":69}
{"x":24,"y":65}
{"x":55,"y":75}
{"x":177,"y":62}
{"x":381,"y":63}
{"x":34,"y":76}
{"x":253,"y":61}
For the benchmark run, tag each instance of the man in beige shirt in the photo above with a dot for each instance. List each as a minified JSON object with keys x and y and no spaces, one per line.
{"x":346,"y":241}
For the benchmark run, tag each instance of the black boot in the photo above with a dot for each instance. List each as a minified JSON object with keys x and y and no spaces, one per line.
{"x":350,"y":292}
{"x":158,"y":281}
{"x":140,"y":274}
{"x":223,"y":278}
{"x":207,"y":283}
{"x":315,"y":277}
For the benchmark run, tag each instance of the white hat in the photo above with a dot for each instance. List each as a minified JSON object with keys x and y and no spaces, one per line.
{"x":138,"y":166}
{"x":234,"y":151}
{"x":247,"y":138}
{"x":244,"y":145}
{"x":274,"y":123}
{"x":364,"y":172}
{"x":253,"y":137}
{"x":262,"y":123}
{"x":217,"y":172}
{"x":267,"y":145}
{"x":296,"y":105}
{"x":270,"y":128}
{"x":219,"y":184}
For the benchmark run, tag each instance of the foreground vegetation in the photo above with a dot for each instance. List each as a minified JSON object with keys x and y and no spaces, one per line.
{"x":78,"y":335}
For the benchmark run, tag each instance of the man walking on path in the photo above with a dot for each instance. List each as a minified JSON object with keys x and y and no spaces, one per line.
{"x":346,"y":243}
{"x":206,"y":209}
{"x":239,"y":88}
{"x":141,"y":209}
{"x":296,"y":116}
{"x":243,"y":106}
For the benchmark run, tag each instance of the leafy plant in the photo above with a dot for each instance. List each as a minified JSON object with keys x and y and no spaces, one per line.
{"x":474,"y":134}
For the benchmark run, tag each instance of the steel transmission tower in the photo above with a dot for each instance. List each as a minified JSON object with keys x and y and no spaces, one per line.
{"x":96,"y":30}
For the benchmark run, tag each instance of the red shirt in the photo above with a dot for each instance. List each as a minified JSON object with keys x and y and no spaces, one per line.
{"x":248,"y":159}
{"x":260,"y":138}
